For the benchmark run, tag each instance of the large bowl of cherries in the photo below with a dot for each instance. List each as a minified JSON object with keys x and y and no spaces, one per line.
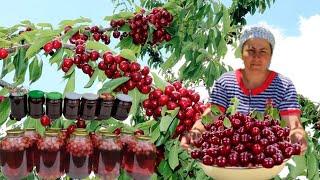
{"x":241,"y":147}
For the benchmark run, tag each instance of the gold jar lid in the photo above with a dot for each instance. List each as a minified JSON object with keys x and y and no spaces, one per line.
{"x":15,"y":132}
{"x":144,"y":138}
{"x":51,"y":133}
{"x":80,"y":133}
{"x":54,"y":129}
{"x":30,"y":129}
{"x":80,"y":130}
{"x":109,"y":135}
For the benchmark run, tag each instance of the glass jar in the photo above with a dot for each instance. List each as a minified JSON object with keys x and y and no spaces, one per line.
{"x":33,"y":136}
{"x":19,"y":107}
{"x":121,"y":107}
{"x":144,"y":153}
{"x":54,"y":105}
{"x":109,"y":156}
{"x":79,"y":155}
{"x":50,"y":157}
{"x":35,"y":101}
{"x":14,"y":156}
{"x":105,"y":104}
{"x":89,"y":104}
{"x":96,"y":139}
{"x":127,"y":140}
{"x":71,"y":105}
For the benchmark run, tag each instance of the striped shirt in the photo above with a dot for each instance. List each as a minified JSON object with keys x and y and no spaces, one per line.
{"x":277,"y":89}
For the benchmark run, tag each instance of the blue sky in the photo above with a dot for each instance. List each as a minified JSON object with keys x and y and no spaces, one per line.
{"x":284,"y":15}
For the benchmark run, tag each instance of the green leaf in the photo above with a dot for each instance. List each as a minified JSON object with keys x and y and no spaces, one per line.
{"x":98,"y":46}
{"x":165,"y":123}
{"x":159,"y":83}
{"x":29,"y":123}
{"x":155,"y":134}
{"x":173,"y":156}
{"x":93,"y":125}
{"x":215,"y":110}
{"x":112,"y":84}
{"x":92,"y":79}
{"x":313,"y":166}
{"x":227,"y":122}
{"x":299,"y":168}
{"x":128,"y":54}
{"x":57,"y":123}
{"x":37,"y":45}
{"x":164,"y":169}
{"x":135,"y":95}
{"x":4,"y":110}
{"x":217,"y":18}
{"x":10,"y":122}
{"x":173,"y":126}
{"x":206,"y":120}
{"x":122,"y":15}
{"x":20,"y":65}
{"x":39,"y":128}
{"x":35,"y":70}
{"x":44,"y":25}
{"x":57,"y":57}
{"x":70,"y":86}
{"x":67,"y":123}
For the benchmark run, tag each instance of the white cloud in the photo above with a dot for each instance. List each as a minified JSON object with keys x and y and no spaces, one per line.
{"x":296,"y":57}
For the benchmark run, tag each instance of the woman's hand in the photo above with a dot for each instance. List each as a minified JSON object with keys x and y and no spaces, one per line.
{"x":298,"y":135}
{"x":192,"y":135}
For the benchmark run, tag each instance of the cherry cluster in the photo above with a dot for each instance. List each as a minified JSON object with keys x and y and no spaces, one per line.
{"x":3,"y":53}
{"x":116,"y":66}
{"x":247,"y":143}
{"x":98,"y":35}
{"x":139,"y":28}
{"x":50,"y":46}
{"x":79,"y":147}
{"x":172,"y":97}
{"x":116,"y":24}
{"x":161,"y":19}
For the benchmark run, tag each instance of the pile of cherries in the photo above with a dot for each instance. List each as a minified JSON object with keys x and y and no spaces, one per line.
{"x":172,"y":97}
{"x":139,"y":28}
{"x":161,"y":19}
{"x":247,"y":143}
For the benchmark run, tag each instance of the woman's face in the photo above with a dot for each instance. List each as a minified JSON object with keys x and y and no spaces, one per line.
{"x":256,"y":55}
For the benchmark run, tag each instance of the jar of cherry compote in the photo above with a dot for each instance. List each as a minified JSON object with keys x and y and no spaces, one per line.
{"x":19,"y":107}
{"x":96,"y":139}
{"x":128,"y":141}
{"x":35,"y":102}
{"x":33,"y":136}
{"x":121,"y":107}
{"x":50,"y":157}
{"x":14,"y":155}
{"x":144,"y":159}
{"x":79,"y":155}
{"x":109,"y":156}
{"x":71,"y":106}
{"x":105,"y":104}
{"x":89,"y":104}
{"x":54,"y":105}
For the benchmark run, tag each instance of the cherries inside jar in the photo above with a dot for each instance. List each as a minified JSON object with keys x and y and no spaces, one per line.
{"x":79,"y":150}
{"x":33,"y":136}
{"x":50,"y":156}
{"x":13,"y":154}
{"x":109,"y":156}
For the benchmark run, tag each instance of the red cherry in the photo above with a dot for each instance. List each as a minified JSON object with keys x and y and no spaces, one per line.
{"x":167,"y":37}
{"x":124,"y":66}
{"x":48,"y":47}
{"x":65,"y":69}
{"x":3,"y":53}
{"x":116,"y":74}
{"x":71,"y":128}
{"x":168,"y":90}
{"x":145,"y":70}
{"x":80,"y":49}
{"x":116,"y":34}
{"x":268,"y":163}
{"x":56,"y":44}
{"x":184,"y":103}
{"x":149,"y":112}
{"x":146,"y":104}
{"x":94,"y":55}
{"x":138,"y":132}
{"x":255,"y":131}
{"x":177,"y":85}
{"x":67,"y":62}
{"x":188,"y":123}
{"x":288,"y":152}
{"x":102,"y":65}
{"x":136,"y":76}
{"x":157,"y":111}
{"x":277,"y":158}
{"x":233,"y":159}
{"x":109,"y":73}
{"x":45,"y":120}
{"x":296,"y":149}
{"x":221,"y":161}
{"x":134,"y":67}
{"x":189,"y":112}
{"x":207,"y":160}
{"x":117,"y":131}
{"x":195,"y":154}
{"x":175,"y":96}
{"x":147,"y":80}
{"x":86,"y":68}
{"x":163,"y":100}
{"x":145,"y":89}
{"x":81,"y":123}
{"x":94,"y":29}
{"x":113,"y":23}
{"x":256,"y":149}
{"x":85,"y":58}
{"x":183,"y":92}
{"x":96,"y":36}
{"x":171,"y":105}
{"x":180,"y":129}
{"x":259,"y":158}
{"x":181,"y":115}
{"x":195,"y":97}
{"x":130,"y":84}
{"x":108,"y":58}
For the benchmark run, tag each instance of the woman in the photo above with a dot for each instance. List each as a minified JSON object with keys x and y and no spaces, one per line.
{"x":256,"y":84}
